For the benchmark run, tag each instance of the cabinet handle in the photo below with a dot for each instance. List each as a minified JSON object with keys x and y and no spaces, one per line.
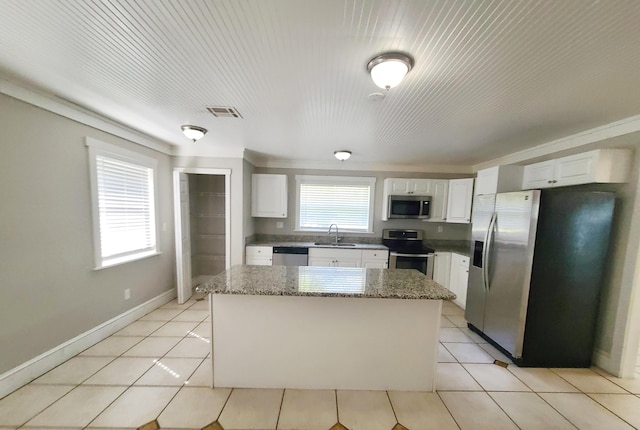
{"x":549,"y":182}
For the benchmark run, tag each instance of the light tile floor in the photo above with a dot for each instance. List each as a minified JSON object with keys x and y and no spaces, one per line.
{"x":158,"y":368}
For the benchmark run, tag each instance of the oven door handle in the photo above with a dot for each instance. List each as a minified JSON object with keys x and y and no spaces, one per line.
{"x":397,"y":254}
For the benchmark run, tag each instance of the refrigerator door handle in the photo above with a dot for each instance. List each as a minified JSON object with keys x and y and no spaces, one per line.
{"x":487,"y":251}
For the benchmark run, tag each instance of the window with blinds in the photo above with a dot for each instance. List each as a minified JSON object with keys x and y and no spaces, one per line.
{"x":123,"y":185}
{"x":341,"y":200}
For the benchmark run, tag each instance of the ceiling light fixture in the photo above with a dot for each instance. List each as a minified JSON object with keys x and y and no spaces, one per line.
{"x":193,"y":132}
{"x":342,"y":155}
{"x":387,"y":70}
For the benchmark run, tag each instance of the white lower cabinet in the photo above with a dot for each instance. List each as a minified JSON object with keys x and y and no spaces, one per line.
{"x":375,"y":259}
{"x":330,"y":257}
{"x":259,"y":255}
{"x":442,"y":268}
{"x":459,"y":277}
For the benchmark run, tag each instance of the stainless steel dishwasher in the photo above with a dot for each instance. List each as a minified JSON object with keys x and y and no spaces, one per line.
{"x":290,"y":256}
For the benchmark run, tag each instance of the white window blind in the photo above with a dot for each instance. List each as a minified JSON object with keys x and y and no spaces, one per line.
{"x":125,"y":207}
{"x":326,"y":200}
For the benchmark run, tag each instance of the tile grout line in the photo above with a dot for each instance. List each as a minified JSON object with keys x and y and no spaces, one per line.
{"x":392,"y":408}
{"x":280,"y":408}
{"x":132,"y":384}
{"x":147,"y":370}
{"x":605,"y":407}
{"x":449,"y":411}
{"x":335,"y":392}
{"x":224,"y":406}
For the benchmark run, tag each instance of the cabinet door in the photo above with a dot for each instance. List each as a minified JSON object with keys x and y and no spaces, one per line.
{"x":538,"y":175}
{"x":259,"y":255}
{"x":442,"y":268}
{"x":420,"y":187}
{"x":348,"y":257}
{"x":575,"y":169}
{"x":459,"y":277}
{"x":439,"y":200}
{"x":269,"y":196}
{"x":375,"y":259}
{"x":321,"y":261}
{"x":487,"y":181}
{"x":399,"y":186}
{"x":459,"y":204}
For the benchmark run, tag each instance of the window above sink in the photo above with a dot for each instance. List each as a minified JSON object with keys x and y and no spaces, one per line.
{"x":346,"y":201}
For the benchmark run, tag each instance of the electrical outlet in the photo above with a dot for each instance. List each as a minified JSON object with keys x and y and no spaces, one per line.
{"x":440,"y":229}
{"x":279,"y":224}
{"x":127,"y":294}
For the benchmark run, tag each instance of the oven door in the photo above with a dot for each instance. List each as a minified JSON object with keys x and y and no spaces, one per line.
{"x":421,"y":262}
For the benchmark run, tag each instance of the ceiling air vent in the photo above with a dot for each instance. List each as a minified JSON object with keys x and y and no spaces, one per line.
{"x":224,"y":112}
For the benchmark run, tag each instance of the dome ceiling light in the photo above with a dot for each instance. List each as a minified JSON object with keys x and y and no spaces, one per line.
{"x":193,"y":132}
{"x":387,"y":70}
{"x":342,"y":155}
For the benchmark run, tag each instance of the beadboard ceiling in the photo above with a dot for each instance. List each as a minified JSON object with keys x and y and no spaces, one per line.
{"x":490,"y":77}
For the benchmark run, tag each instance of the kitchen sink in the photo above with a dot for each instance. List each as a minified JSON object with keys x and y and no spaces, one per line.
{"x":334,"y":244}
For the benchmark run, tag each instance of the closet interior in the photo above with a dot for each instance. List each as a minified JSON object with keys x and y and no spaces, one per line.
{"x":207,"y":219}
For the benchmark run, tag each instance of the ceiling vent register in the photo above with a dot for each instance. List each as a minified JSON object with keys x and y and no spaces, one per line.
{"x":224,"y":112}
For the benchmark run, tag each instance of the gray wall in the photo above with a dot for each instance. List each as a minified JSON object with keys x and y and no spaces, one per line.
{"x":616,"y":296}
{"x":449,"y":231}
{"x":49,"y":292}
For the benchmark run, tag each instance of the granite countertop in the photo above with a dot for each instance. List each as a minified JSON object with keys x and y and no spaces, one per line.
{"x":323,"y":245}
{"x":459,"y":247}
{"x":326,"y":282}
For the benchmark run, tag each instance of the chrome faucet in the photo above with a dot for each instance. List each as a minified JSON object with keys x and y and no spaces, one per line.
{"x":329,"y":232}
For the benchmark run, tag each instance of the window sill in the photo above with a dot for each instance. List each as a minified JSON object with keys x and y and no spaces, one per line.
{"x":130,"y":260}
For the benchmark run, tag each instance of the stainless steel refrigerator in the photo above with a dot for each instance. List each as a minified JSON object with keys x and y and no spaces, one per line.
{"x":537,"y":265}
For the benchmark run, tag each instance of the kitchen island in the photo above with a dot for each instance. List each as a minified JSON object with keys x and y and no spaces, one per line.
{"x":324,"y":328}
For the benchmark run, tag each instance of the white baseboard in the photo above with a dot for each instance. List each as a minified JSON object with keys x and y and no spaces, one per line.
{"x":602,"y":359}
{"x":28,"y":371}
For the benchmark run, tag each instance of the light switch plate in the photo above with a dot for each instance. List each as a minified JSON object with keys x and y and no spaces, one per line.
{"x":279,"y":224}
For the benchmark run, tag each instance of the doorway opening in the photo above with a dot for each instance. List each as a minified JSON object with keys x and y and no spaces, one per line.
{"x":202,"y":225}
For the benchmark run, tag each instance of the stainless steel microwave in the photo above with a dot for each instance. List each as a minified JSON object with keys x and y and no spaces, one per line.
{"x":409,"y":207}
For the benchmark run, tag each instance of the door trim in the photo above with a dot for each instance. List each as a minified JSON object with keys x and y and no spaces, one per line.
{"x":177,"y":214}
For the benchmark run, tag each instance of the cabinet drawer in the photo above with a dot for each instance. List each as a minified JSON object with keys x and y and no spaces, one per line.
{"x":335,"y":253}
{"x":259,"y":251}
{"x":375,"y":254}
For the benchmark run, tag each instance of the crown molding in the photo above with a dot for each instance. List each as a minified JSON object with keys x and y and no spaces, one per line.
{"x":277,"y":163}
{"x":600,"y":134}
{"x":73,"y":112}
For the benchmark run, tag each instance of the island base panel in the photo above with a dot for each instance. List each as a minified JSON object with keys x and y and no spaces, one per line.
{"x":324,"y":342}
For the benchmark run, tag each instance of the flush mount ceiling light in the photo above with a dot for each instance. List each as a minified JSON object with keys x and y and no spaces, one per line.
{"x":193,"y":132}
{"x":342,"y":155}
{"x":387,"y":70}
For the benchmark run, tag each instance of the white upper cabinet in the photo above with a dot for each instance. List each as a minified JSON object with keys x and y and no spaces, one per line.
{"x":459,"y":200}
{"x":269,"y":196}
{"x":600,"y":165}
{"x":407,"y":186}
{"x":445,"y":201}
{"x":498,"y":179}
{"x":402,"y":187}
{"x":439,"y":198}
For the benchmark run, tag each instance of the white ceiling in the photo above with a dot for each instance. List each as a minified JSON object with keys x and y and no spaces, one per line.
{"x":490,"y":77}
